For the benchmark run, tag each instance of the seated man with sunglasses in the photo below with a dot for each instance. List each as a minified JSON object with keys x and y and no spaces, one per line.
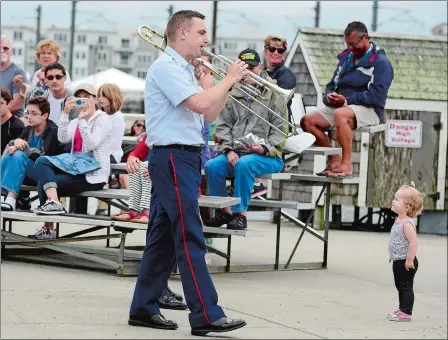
{"x":354,"y":97}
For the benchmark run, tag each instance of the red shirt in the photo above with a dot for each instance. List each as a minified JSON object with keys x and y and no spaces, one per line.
{"x":141,"y":151}
{"x":77,"y":141}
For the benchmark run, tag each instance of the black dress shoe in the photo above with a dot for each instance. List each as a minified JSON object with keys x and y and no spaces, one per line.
{"x":219,"y":326}
{"x":168,"y":301}
{"x":155,"y":321}
{"x":178,"y":297}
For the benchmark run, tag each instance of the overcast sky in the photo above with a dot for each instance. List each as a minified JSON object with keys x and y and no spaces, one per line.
{"x":281,"y":17}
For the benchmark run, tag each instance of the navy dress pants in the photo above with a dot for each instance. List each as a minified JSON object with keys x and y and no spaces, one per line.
{"x":175,"y":233}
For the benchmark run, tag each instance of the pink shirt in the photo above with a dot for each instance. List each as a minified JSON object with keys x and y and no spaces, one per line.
{"x":77,"y":141}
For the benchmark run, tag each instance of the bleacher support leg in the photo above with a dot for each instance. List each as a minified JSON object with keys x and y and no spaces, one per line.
{"x":277,"y":243}
{"x":327,"y":223}
{"x":108,"y":240}
{"x":229,"y":250}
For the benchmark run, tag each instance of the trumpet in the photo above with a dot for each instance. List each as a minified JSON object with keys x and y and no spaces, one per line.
{"x":261,"y":90}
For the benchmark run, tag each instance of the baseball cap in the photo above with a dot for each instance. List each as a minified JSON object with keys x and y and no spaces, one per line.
{"x":89,"y":88}
{"x":250,"y":57}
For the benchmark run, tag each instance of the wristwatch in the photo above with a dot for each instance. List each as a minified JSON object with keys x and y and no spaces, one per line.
{"x":227,"y":150}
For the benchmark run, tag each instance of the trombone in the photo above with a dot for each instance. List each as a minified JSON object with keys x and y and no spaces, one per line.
{"x":147,"y":34}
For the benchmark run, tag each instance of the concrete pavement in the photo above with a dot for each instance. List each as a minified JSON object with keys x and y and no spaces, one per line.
{"x":348,"y":300}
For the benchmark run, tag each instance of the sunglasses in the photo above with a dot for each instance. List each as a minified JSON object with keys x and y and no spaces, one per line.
{"x":6,"y":48}
{"x":353,"y":44}
{"x":140,"y":125}
{"x":58,"y":77}
{"x":272,"y":49}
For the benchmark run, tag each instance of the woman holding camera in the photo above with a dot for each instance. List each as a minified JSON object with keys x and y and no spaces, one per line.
{"x":87,"y":167}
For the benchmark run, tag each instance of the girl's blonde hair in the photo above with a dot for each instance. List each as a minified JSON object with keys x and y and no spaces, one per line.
{"x":414,"y":202}
{"x":113,"y":93}
{"x":52,"y":46}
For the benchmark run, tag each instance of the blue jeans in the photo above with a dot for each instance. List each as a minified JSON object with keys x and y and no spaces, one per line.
{"x":48,"y":176}
{"x":245,"y":171}
{"x":15,"y":168}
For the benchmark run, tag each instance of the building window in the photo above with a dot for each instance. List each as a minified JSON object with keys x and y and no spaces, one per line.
{"x":16,"y":51}
{"x":252,"y":46}
{"x":81,"y":39}
{"x":141,"y":74}
{"x":64,"y":54}
{"x":124,"y":59}
{"x":102,"y":39}
{"x":82,"y":71}
{"x":230,"y":45}
{"x":77,"y":55}
{"x":18,"y":35}
{"x":144,"y":58}
{"x":125,"y":43}
{"x":76,"y":71}
{"x":60,"y":37}
{"x":83,"y":55}
{"x":102,"y":56}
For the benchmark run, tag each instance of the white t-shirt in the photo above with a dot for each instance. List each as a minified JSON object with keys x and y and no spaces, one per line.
{"x":118,"y":127}
{"x":55,"y":108}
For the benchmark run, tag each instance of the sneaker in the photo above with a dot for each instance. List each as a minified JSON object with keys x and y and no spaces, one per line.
{"x":221,"y":218}
{"x":50,"y":208}
{"x":259,"y":190}
{"x":238,"y":222}
{"x":393,"y":313}
{"x":400,"y":317}
{"x":177,"y":296}
{"x":23,"y":203}
{"x":43,"y":234}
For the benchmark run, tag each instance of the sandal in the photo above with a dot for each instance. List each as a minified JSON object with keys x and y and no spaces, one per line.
{"x":325,"y":173}
{"x":125,"y":216}
{"x":142,"y":218}
{"x":338,"y":173}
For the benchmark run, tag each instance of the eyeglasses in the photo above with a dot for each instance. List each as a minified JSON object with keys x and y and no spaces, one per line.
{"x":272,"y":49}
{"x":353,"y":44}
{"x":58,"y":77}
{"x":5,"y":48}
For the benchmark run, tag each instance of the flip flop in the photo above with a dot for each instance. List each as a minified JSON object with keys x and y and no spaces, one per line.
{"x":324,"y":173}
{"x":337,"y":173}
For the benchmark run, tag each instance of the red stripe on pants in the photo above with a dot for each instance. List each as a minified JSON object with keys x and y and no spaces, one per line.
{"x":185,"y":239}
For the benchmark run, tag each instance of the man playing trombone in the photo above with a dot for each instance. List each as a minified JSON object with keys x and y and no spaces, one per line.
{"x":251,"y":147}
{"x":176,"y":106}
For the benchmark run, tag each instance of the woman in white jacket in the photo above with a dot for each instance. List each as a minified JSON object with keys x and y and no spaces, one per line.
{"x":87,"y":167}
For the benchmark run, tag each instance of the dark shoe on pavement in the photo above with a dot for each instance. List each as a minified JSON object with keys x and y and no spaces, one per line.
{"x":219,"y":326}
{"x":155,"y":321}
{"x":178,"y":297}
{"x":238,"y":222}
{"x":221,"y":218}
{"x":168,"y":301}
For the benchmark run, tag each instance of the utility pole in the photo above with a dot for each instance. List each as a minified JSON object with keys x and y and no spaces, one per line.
{"x":170,"y":11}
{"x":39,"y":12}
{"x":72,"y":37}
{"x":317,"y":17}
{"x":375,"y":16}
{"x":215,"y":18}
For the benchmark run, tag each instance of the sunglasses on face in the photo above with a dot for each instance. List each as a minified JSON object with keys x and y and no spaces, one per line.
{"x":6,"y":48}
{"x":58,"y":77}
{"x":272,"y":49}
{"x":140,"y":125}
{"x":353,"y":44}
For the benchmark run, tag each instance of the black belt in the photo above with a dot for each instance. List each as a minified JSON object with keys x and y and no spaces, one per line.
{"x":189,"y":148}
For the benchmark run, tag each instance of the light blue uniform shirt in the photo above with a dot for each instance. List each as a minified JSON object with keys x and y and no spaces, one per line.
{"x":169,"y":81}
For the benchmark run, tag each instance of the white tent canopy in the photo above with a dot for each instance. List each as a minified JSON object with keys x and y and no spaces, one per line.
{"x":126,"y":82}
